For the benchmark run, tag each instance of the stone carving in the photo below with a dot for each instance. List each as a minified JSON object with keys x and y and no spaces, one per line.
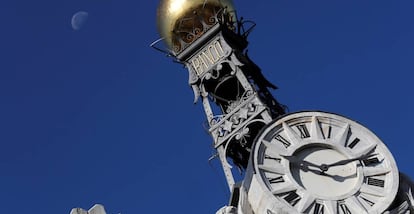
{"x":96,"y":209}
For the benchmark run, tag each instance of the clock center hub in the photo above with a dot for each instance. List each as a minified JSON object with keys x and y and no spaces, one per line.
{"x":317,"y":174}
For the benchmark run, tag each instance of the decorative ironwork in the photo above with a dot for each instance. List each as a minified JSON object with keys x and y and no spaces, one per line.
{"x":196,"y":22}
{"x":234,"y":104}
{"x":222,"y":126}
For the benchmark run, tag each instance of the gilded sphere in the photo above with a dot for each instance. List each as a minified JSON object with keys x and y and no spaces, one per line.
{"x":173,"y":16}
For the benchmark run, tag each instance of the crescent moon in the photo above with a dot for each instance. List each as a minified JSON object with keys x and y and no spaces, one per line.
{"x":79,"y":20}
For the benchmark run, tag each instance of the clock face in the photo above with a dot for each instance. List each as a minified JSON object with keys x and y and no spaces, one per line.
{"x":318,"y":162}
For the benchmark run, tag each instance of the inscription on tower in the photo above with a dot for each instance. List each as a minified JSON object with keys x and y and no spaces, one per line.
{"x":208,"y":57}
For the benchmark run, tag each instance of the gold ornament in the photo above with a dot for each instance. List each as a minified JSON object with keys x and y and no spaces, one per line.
{"x":181,"y":22}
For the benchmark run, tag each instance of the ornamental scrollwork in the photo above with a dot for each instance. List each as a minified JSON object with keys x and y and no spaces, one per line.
{"x":196,"y":23}
{"x":234,"y":104}
{"x":226,"y":125}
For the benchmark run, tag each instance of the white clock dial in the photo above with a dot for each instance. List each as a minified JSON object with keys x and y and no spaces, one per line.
{"x":318,"y":162}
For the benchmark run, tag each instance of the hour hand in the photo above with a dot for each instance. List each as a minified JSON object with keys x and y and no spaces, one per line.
{"x":299,"y":162}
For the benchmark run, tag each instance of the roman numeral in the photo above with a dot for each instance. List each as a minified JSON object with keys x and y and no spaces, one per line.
{"x":283,"y":140}
{"x":345,"y":209}
{"x":292,"y":198}
{"x":328,"y":135}
{"x":370,"y":203}
{"x":354,"y":143}
{"x":272,"y":158}
{"x":318,"y":209}
{"x":375,"y":182}
{"x":304,"y":132}
{"x":371,"y":161}
{"x":276,"y":180}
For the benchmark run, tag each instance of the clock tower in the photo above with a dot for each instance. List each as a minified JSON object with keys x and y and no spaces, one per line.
{"x":304,"y":162}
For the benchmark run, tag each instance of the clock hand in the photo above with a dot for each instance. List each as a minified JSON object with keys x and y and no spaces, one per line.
{"x":291,"y":158}
{"x":325,"y":167}
{"x":299,"y":162}
{"x":320,"y":169}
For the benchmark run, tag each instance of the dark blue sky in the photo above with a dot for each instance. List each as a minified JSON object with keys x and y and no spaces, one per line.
{"x":96,"y":116}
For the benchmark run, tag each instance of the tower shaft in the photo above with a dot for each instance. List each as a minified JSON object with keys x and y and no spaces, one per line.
{"x":234,"y":93}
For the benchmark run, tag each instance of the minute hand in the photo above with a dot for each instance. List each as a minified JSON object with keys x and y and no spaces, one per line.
{"x":325,"y":167}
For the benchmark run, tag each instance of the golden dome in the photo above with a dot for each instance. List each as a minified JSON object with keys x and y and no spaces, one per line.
{"x":185,"y":20}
